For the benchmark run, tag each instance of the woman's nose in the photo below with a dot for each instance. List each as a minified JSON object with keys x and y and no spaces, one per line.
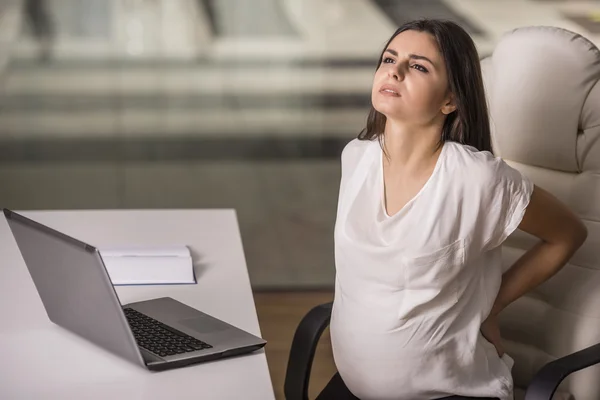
{"x":395,"y":74}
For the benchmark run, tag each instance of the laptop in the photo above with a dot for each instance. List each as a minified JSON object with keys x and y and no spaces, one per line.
{"x":78,"y":295}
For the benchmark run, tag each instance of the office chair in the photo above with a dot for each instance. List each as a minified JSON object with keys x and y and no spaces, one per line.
{"x":544,"y":100}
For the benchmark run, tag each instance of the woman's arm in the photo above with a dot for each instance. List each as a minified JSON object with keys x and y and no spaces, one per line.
{"x":561,"y":233}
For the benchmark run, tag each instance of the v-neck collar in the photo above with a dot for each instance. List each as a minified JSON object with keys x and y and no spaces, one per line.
{"x":412,"y":200}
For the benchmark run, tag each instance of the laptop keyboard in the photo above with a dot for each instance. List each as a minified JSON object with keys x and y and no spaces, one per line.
{"x":159,"y":338}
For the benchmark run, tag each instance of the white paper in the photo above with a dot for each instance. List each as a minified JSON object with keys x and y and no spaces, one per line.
{"x":143,"y":265}
{"x":146,"y":251}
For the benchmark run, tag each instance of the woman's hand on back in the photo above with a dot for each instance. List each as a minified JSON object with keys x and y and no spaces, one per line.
{"x":490,"y":329}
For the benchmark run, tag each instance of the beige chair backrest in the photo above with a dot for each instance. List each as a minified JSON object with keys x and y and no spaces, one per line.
{"x":544,"y":98}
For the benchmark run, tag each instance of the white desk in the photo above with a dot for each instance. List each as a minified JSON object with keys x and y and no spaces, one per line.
{"x":41,"y":360}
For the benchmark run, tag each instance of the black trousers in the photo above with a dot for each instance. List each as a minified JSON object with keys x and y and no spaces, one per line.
{"x":336,"y":390}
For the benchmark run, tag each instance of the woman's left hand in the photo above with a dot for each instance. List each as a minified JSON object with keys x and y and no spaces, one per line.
{"x":490,"y":329}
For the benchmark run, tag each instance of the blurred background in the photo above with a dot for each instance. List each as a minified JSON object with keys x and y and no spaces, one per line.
{"x":243,"y":104}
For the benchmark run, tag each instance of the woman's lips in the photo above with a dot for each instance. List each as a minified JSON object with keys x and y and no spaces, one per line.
{"x":388,"y":90}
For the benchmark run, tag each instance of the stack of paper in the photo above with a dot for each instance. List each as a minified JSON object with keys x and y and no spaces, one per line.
{"x":149,"y":265}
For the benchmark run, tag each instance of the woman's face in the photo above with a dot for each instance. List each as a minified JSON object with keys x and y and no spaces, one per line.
{"x":411,"y":85}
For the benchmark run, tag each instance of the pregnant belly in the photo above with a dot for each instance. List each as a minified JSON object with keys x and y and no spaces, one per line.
{"x":415,"y":360}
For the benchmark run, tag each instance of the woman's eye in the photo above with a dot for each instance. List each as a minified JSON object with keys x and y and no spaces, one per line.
{"x":387,"y":60}
{"x":420,"y":68}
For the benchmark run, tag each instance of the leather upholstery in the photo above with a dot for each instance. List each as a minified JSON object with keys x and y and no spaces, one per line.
{"x":544,"y":98}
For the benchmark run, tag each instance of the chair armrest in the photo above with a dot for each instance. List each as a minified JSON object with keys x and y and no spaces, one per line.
{"x":546,"y":381}
{"x":303,"y":350}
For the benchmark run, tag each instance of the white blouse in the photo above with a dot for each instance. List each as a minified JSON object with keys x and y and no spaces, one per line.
{"x":412,"y":290}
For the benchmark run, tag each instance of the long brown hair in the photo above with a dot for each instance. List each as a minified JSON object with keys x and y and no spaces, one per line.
{"x":469,"y":123}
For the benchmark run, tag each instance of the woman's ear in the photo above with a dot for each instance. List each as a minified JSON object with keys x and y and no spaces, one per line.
{"x":449,"y":105}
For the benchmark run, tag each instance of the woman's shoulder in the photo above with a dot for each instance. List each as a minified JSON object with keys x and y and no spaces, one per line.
{"x":354,"y":149}
{"x":479,"y":169}
{"x":475,"y":162}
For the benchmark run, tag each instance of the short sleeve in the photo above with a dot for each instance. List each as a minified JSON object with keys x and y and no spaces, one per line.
{"x":505,"y":195}
{"x":351,"y":155}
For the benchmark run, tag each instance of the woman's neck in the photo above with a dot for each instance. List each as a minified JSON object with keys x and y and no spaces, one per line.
{"x":409,"y":147}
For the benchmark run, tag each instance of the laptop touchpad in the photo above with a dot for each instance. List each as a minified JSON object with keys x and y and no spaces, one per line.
{"x":204,"y":324}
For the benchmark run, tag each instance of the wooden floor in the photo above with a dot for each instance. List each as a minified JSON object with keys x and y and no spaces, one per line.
{"x":279,"y":313}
